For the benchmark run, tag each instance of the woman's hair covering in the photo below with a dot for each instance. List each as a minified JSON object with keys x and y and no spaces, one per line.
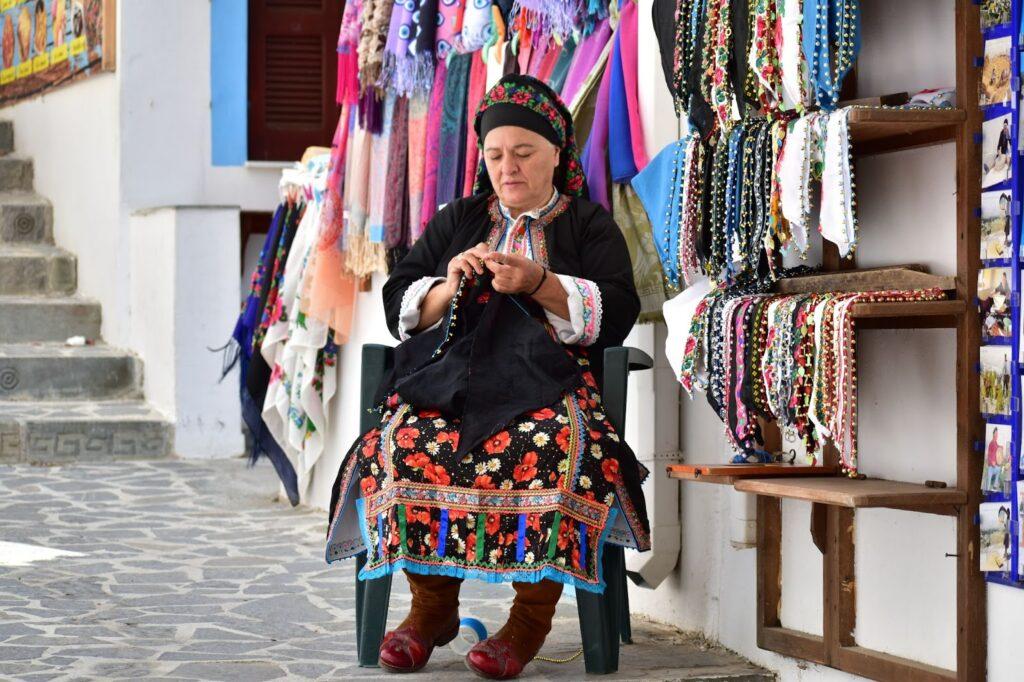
{"x":534,"y":96}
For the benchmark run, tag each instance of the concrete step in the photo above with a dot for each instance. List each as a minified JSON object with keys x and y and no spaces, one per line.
{"x":25,"y":217}
{"x":29,"y":319}
{"x":37,"y":269}
{"x":64,"y":432}
{"x":6,"y":137}
{"x":15,"y":173}
{"x":51,"y":371}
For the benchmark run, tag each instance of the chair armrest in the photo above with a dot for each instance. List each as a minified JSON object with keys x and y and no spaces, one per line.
{"x":377,"y":360}
{"x":619,"y":361}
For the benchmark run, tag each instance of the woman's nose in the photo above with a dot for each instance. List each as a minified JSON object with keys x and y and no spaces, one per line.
{"x":509,"y":166}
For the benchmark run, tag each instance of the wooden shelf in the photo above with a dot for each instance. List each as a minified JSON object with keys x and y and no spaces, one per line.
{"x":896,"y":277}
{"x":875,"y":131}
{"x":909,"y":315}
{"x":730,"y":473}
{"x":841,"y":491}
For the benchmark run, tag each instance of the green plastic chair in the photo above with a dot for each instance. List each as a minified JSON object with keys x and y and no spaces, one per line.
{"x":604,"y":618}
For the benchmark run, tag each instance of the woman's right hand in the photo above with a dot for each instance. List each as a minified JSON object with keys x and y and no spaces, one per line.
{"x":469,"y":263}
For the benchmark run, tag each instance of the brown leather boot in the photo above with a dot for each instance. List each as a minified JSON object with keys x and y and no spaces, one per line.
{"x":433,"y":621}
{"x":505,"y":654}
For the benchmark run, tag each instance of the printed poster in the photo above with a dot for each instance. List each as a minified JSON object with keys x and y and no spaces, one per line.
{"x":46,"y":43}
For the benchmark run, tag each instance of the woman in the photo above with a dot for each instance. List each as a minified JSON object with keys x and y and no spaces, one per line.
{"x":494,"y":458}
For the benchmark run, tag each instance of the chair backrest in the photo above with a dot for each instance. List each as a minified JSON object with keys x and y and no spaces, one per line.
{"x":619,"y":361}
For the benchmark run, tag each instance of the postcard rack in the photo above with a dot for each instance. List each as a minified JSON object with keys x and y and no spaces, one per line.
{"x":999,"y":517}
{"x":834,"y":498}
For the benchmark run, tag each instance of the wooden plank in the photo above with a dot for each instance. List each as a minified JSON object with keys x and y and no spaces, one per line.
{"x":909,"y":315}
{"x":841,"y":491}
{"x":910,"y":276}
{"x":769,"y":564}
{"x":876,"y":665}
{"x":971,"y":626}
{"x":893,"y":100}
{"x":841,"y":584}
{"x":729,"y":473}
{"x":898,"y":126}
{"x":794,"y":644}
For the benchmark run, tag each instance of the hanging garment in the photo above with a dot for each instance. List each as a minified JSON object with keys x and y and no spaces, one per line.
{"x":636,"y":229}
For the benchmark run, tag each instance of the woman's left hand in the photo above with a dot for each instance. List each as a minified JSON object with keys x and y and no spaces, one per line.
{"x":513,"y":274}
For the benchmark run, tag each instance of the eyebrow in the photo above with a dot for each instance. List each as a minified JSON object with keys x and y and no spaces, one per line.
{"x":527,"y":145}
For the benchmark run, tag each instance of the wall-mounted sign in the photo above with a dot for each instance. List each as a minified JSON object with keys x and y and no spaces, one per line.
{"x":47,"y":43}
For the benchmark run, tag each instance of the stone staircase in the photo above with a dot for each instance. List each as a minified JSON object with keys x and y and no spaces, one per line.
{"x":59,"y":403}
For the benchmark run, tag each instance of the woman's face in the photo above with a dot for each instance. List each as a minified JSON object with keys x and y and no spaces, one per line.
{"x":521,"y":165}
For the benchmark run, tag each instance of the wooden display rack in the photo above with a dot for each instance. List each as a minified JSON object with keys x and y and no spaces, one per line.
{"x":834,"y":498}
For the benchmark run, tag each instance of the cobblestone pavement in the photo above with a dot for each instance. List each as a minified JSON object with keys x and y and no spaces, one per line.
{"x":193,"y":571}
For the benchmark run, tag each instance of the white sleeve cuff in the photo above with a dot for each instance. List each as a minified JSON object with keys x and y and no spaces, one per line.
{"x":584,"y":323}
{"x":409,"y":315}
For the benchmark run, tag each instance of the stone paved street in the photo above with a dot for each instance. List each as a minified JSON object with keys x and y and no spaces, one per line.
{"x":193,"y":571}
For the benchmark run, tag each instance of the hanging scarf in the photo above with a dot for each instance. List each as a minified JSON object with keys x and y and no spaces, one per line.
{"x":559,"y":17}
{"x":620,"y":148}
{"x":628,"y":55}
{"x":560,"y":69}
{"x":396,"y":199}
{"x":379,"y":189}
{"x":418,"y":106}
{"x":476,"y":26}
{"x":403,"y":71}
{"x":433,"y":145}
{"x":475,"y":95}
{"x":595,"y":161}
{"x":348,"y":58}
{"x":535,"y":96}
{"x":838,"y":220}
{"x":376,"y":23}
{"x":453,"y":134}
{"x":586,"y":59}
{"x":659,"y":188}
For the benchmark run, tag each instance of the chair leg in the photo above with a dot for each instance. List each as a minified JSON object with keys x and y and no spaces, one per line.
{"x":599,"y":626}
{"x":372,"y":600}
{"x":622,"y":604}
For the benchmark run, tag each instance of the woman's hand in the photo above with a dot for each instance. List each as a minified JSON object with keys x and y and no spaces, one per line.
{"x":513,"y":274}
{"x":469,"y":263}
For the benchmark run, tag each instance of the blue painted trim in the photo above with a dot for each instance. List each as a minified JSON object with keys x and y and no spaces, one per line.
{"x":229,"y":82}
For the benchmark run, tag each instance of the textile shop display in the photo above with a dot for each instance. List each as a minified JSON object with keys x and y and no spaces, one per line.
{"x":283,"y":339}
{"x":463,"y":478}
{"x":788,"y":359}
{"x":410,"y":78}
{"x":728,"y":207}
{"x":732,"y":59}
{"x":999,"y":285}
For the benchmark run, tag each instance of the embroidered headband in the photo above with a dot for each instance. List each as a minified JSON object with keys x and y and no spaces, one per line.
{"x":535,"y":100}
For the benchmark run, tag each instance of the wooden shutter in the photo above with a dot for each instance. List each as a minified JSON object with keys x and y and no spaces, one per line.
{"x":293,"y":67}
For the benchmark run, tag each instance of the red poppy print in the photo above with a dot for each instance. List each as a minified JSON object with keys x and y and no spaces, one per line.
{"x":484,"y":482}
{"x":526,"y":470}
{"x":610,"y":469}
{"x":493,"y":523}
{"x":406,"y":437}
{"x":417,"y":460}
{"x":436,"y":474}
{"x":563,"y":439}
{"x":497,"y":443}
{"x":368,"y":485}
{"x":542,"y":415}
